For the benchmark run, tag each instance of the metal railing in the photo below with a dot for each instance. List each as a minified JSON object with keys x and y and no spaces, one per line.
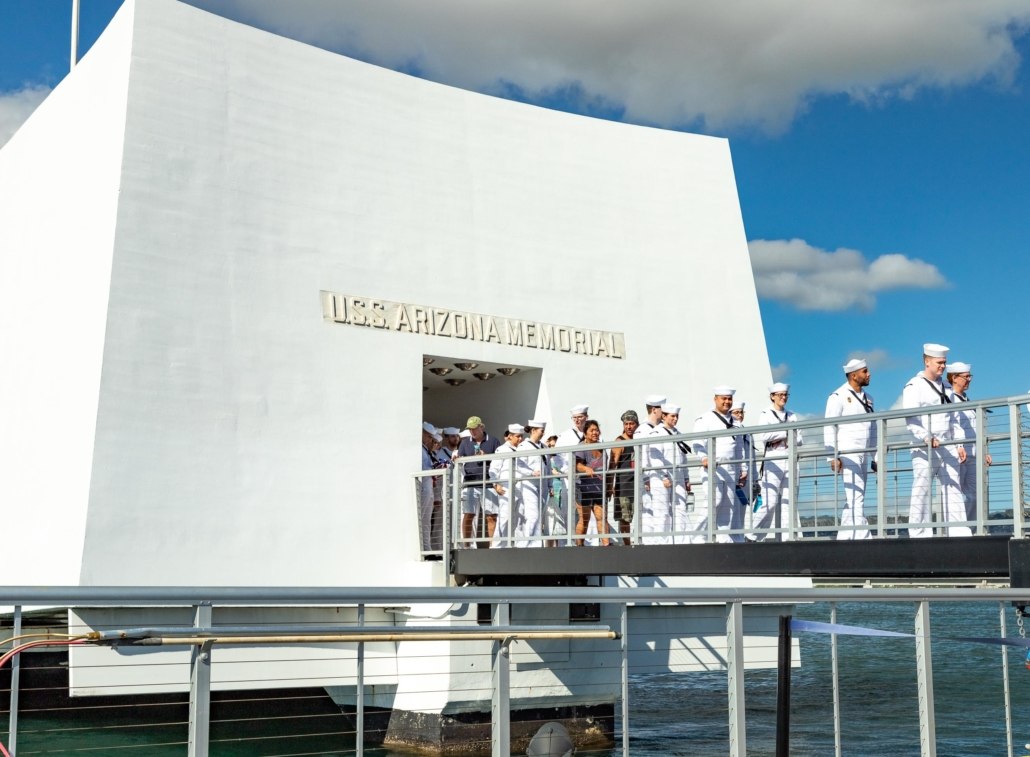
{"x":674,"y":503}
{"x":624,"y":643}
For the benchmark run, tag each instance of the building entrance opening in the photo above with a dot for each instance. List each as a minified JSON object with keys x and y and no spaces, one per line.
{"x":454,"y":388}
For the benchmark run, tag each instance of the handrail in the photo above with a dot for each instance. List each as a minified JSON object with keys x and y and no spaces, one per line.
{"x":138,"y":596}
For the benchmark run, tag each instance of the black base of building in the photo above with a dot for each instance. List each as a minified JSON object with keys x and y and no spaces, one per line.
{"x":969,"y":558}
{"x":469,"y":733}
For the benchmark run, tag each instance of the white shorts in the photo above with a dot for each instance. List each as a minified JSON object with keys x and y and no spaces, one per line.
{"x":479,"y":496}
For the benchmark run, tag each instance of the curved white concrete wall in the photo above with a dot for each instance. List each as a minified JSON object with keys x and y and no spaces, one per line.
{"x":241,"y":438}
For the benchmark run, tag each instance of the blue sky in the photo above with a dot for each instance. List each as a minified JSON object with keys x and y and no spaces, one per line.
{"x":880,"y":146}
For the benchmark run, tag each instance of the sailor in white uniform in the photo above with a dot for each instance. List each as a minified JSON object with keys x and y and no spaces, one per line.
{"x":743,"y":490}
{"x":564,"y":514}
{"x":852,"y":447}
{"x":960,"y":375}
{"x":653,"y":405}
{"x":428,"y":501}
{"x":723,"y":468}
{"x":532,"y":486}
{"x":669,"y":482}
{"x":503,"y":474}
{"x":934,"y":456}
{"x":771,"y":443}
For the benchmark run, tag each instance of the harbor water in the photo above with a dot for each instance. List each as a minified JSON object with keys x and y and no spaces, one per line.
{"x":686,"y":714}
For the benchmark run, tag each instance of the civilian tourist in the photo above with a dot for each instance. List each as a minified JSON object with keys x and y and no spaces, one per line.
{"x":477,"y":499}
{"x":622,"y":481}
{"x":592,"y":467}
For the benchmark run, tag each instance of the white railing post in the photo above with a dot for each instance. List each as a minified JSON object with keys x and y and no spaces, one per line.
{"x":880,"y":456}
{"x":12,"y":739}
{"x":735,"y":675}
{"x":359,"y":736}
{"x":500,"y":706}
{"x":924,"y":680}
{"x":1016,"y":445}
{"x":200,"y":687}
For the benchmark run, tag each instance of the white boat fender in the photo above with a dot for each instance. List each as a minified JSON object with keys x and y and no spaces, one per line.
{"x":552,"y":740}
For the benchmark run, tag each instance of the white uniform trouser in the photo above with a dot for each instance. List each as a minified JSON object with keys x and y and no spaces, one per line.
{"x":775,"y":499}
{"x":656,"y":512}
{"x":853,"y":522}
{"x":942,"y":465}
{"x":527,"y":523}
{"x":505,"y":509}
{"x":967,"y":481}
{"x":683,"y":527}
{"x":724,"y":486}
{"x":425,"y":516}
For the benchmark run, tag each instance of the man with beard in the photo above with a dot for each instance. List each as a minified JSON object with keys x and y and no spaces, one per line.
{"x":851,"y":446}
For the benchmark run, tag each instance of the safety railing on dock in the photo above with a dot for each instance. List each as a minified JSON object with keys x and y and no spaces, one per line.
{"x":885,"y":482}
{"x":261,"y":671}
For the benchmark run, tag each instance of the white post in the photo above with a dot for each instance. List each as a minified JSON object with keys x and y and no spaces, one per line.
{"x":500,"y":706}
{"x":735,"y":674}
{"x":200,"y":687}
{"x":75,"y":35}
{"x":924,"y":678}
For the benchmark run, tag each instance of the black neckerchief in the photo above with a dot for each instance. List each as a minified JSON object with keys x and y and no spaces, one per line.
{"x":945,"y":400}
{"x":683,"y":446}
{"x":777,"y":417}
{"x":864,"y":402}
{"x":726,"y":423}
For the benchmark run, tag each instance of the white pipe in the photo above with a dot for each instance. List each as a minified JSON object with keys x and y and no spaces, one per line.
{"x":75,"y":35}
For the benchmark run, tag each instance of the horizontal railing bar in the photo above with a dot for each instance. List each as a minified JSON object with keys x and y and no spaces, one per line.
{"x":135,"y":596}
{"x":344,"y":638}
{"x":322,"y":630}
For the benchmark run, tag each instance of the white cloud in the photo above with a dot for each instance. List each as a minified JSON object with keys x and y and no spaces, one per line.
{"x":780,"y":372}
{"x":809,"y":278}
{"x":717,"y":64}
{"x":875,"y":358}
{"x":16,"y":106}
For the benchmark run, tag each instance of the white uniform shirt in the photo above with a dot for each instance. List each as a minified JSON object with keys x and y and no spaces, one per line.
{"x":570,"y":437}
{"x":921,"y":392}
{"x":531,"y":466}
{"x":499,"y":469}
{"x":773,"y":442}
{"x":662,"y":456}
{"x":845,"y":401}
{"x":727,"y":448}
{"x":965,"y":420}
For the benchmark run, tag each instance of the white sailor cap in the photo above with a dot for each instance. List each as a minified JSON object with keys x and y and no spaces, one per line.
{"x":958,"y":368}
{"x":935,"y":350}
{"x":515,"y":428}
{"x":579,"y":410}
{"x":655,"y":400}
{"x":739,"y":405}
{"x":450,"y":431}
{"x":779,"y":387}
{"x":432,"y":430}
{"x":855,"y":364}
{"x":724,"y":390}
{"x":671,"y":409}
{"x":536,"y":424}
{"x":466,"y":434}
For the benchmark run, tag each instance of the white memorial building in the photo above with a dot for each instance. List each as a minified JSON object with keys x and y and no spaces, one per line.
{"x":227,"y":259}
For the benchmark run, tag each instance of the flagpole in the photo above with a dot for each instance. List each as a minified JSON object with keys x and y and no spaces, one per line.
{"x":75,"y":34}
